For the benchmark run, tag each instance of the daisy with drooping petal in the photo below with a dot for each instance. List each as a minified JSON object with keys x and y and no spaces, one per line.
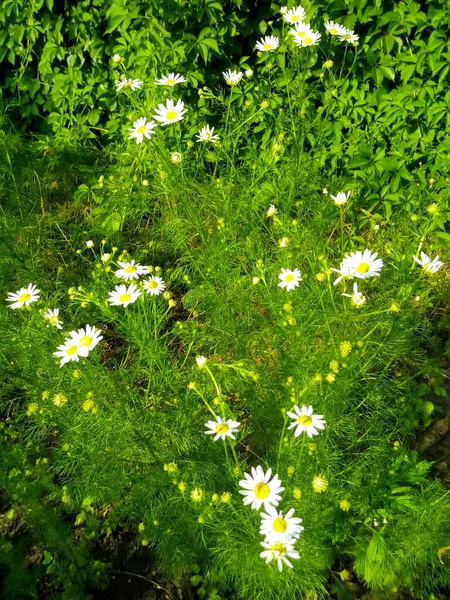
{"x":277,"y":527}
{"x":86,"y":337}
{"x":24,"y":297}
{"x":130,"y":270}
{"x":335,"y":28}
{"x":289,"y":279}
{"x":170,"y":112}
{"x":358,"y":298}
{"x":428,"y":265}
{"x":133,"y":84}
{"x":305,"y":420}
{"x":53,"y":317}
{"x":267,"y":43}
{"x":154,"y":285}
{"x":349,"y":36}
{"x":141,"y":129}
{"x":206,"y":134}
{"x":232,"y":77}
{"x":341,"y":198}
{"x":280,"y":551}
{"x":222,"y":428}
{"x":310,"y":39}
{"x":170,"y":80}
{"x":123,"y":295}
{"x":69,"y":351}
{"x":294,"y":15}
{"x":260,"y":490}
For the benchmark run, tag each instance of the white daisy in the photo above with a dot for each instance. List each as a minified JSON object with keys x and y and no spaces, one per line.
{"x":87,"y":337}
{"x":428,"y":265}
{"x":341,"y":198}
{"x":359,"y":264}
{"x":89,"y":244}
{"x":358,"y":298}
{"x":289,"y":279}
{"x":53,"y":317}
{"x":277,"y":527}
{"x":206,"y":134}
{"x":335,"y":28}
{"x":130,"y":270}
{"x":305,"y":420}
{"x":123,"y":295}
{"x":232,"y":77}
{"x":294,"y":15}
{"x":259,"y":490}
{"x":310,"y":39}
{"x":222,"y":428}
{"x":141,"y":129}
{"x":301,"y":30}
{"x":154,"y":285}
{"x":69,"y":351}
{"x":201,"y":360}
{"x":267,"y":43}
{"x":279,"y":551}
{"x":170,"y":112}
{"x":117,"y":58}
{"x":24,"y":297}
{"x":170,"y":80}
{"x":271,"y":211}
{"x":349,"y":36}
{"x":133,"y":84}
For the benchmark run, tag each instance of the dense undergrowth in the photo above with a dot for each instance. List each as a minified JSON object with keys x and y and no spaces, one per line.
{"x":113,"y":444}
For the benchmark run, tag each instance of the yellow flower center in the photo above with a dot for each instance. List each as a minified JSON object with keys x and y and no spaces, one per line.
{"x":170,"y":81}
{"x":300,"y":33}
{"x":334,"y":31}
{"x":124,"y":297}
{"x":141,"y":128}
{"x":304,"y":420}
{"x":363,"y":267}
{"x":307,"y":41}
{"x":171,"y":115}
{"x":267,"y":46}
{"x":86,"y":340}
{"x":153,"y":284}
{"x":71,"y":350}
{"x":347,"y":36}
{"x":222,"y":428}
{"x":130,"y":268}
{"x":294,"y":18}
{"x":24,"y":297}
{"x":261,"y":490}
{"x":53,"y":320}
{"x":290,"y":278}
{"x":279,"y":525}
{"x":280,"y":548}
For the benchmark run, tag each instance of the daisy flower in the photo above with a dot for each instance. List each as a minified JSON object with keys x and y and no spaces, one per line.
{"x":176,"y":157}
{"x":123,"y":295}
{"x":232,"y":77}
{"x":428,"y":265}
{"x":358,"y":298}
{"x":294,"y":15}
{"x":279,"y":551}
{"x":359,"y":264}
{"x":201,"y":360}
{"x":305,"y":420}
{"x":260,"y":490}
{"x":289,"y":279}
{"x":310,"y":39}
{"x":69,"y":351}
{"x":24,"y":297}
{"x":335,"y":28}
{"x":301,"y":30}
{"x":222,"y":428}
{"x":341,"y":198}
{"x":206,"y":134}
{"x":349,"y":36}
{"x":267,"y":43}
{"x":170,"y":112}
{"x":86,"y":337}
{"x":130,"y":270}
{"x":133,"y":84}
{"x":271,"y":211}
{"x":320,"y":484}
{"x":277,"y":527}
{"x":170,"y":80}
{"x":141,"y":129}
{"x":53,"y":317}
{"x":154,"y":285}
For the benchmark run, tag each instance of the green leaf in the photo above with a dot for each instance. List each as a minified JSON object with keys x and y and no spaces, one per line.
{"x":112,"y":223}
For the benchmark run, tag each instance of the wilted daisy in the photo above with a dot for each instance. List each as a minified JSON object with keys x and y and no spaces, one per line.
{"x":260,"y":490}
{"x":206,"y":134}
{"x":130,"y":270}
{"x":52,"y":315}
{"x":349,"y":36}
{"x":24,"y":297}
{"x":289,"y":279}
{"x":305,"y":420}
{"x":279,"y":551}
{"x":294,"y":15}
{"x":222,"y":428}
{"x":310,"y":39}
{"x":141,"y":129}
{"x":133,"y":84}
{"x":341,"y":198}
{"x":232,"y":77}
{"x":277,"y":527}
{"x":358,"y":298}
{"x":176,"y":157}
{"x":170,"y":80}
{"x":170,"y":112}
{"x":70,"y":351}
{"x":86,"y":337}
{"x":428,"y":265}
{"x":123,"y":295}
{"x":154,"y":285}
{"x":267,"y":43}
{"x":335,"y":28}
